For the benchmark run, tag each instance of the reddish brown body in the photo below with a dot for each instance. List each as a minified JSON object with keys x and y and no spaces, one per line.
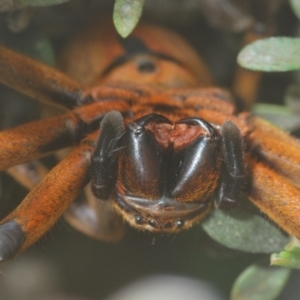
{"x":152,"y":77}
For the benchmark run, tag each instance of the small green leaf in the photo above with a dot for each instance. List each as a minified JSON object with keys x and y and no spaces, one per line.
{"x":295,"y":4}
{"x":271,"y":54}
{"x":41,"y":2}
{"x":259,"y":282}
{"x":244,"y":230}
{"x":126,"y":15}
{"x":290,"y":257}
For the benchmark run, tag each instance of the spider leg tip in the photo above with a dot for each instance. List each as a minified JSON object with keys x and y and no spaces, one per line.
{"x":11,"y":239}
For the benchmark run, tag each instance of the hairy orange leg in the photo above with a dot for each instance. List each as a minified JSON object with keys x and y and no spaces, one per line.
{"x":276,"y":197}
{"x":47,"y":201}
{"x":87,"y":214}
{"x":276,"y":148}
{"x":38,"y":80}
{"x":37,"y":139}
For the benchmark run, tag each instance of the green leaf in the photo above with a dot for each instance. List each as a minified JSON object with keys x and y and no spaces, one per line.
{"x":290,"y":257}
{"x":126,"y":15}
{"x":295,"y":4}
{"x":41,"y":2}
{"x":271,"y":54}
{"x":259,"y":282}
{"x":244,"y":230}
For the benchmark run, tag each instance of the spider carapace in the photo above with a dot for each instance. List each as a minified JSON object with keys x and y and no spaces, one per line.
{"x":169,"y":149}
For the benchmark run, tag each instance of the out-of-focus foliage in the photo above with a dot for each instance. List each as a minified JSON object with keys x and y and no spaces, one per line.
{"x":244,"y":230}
{"x":259,"y":282}
{"x":295,"y":5}
{"x":290,"y":257}
{"x":274,"y":54}
{"x":126,"y":15}
{"x":271,"y":54}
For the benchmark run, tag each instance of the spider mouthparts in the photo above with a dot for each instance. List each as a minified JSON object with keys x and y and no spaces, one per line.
{"x":161,"y":215}
{"x":11,"y":239}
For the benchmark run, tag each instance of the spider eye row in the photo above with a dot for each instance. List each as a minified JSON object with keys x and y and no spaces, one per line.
{"x":140,"y":220}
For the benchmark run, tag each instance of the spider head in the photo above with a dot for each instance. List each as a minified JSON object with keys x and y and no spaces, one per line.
{"x":165,"y":173}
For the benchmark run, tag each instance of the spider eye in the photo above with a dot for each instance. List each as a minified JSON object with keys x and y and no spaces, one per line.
{"x":152,"y":223}
{"x":179,"y":223}
{"x":139,"y":219}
